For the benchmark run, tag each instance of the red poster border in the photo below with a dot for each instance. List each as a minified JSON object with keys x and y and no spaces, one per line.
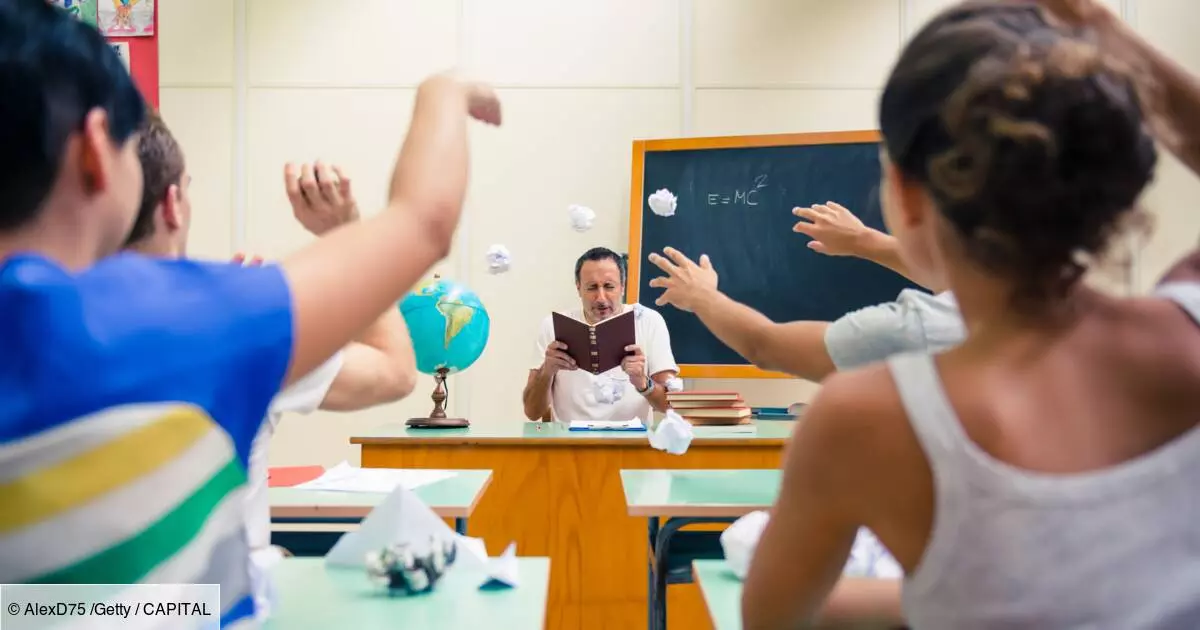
{"x":143,"y":60}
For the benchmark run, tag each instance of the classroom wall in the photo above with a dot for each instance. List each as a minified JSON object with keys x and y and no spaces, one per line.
{"x":249,"y":84}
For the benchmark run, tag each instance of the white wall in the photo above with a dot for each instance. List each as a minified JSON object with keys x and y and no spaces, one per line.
{"x":250,"y":84}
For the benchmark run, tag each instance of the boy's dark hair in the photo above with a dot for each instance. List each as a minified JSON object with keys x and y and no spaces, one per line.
{"x":1030,"y":139}
{"x":602,"y":253}
{"x":54,"y":69}
{"x":162,"y":167}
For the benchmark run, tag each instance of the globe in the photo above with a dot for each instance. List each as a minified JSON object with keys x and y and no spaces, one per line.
{"x":448,"y":324}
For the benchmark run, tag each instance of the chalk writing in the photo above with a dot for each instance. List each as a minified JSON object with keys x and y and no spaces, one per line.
{"x":739,"y":197}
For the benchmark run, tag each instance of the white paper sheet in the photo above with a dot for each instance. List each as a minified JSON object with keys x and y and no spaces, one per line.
{"x":347,"y":478}
{"x":402,"y":518}
{"x":503,"y":571}
{"x":598,"y":425}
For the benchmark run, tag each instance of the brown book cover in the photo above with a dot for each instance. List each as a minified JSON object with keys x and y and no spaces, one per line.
{"x":705,"y":404}
{"x":598,"y":348}
{"x":703,"y":395}
{"x":715,"y":412}
{"x":719,"y":422}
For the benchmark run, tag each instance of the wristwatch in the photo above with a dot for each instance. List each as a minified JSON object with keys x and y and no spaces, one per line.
{"x":649,"y":387}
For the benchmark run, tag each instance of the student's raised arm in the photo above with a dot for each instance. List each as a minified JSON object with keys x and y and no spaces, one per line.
{"x":342,"y":282}
{"x":1176,"y":91}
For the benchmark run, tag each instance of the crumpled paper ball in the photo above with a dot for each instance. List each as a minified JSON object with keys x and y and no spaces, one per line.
{"x":404,"y":571}
{"x":739,"y":540}
{"x":609,"y":391}
{"x":673,"y":434}
{"x":869,"y":558}
{"x":582,"y":217}
{"x":663,"y":202}
{"x":498,"y":259}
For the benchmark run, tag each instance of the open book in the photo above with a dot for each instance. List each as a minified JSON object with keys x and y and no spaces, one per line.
{"x":598,"y":348}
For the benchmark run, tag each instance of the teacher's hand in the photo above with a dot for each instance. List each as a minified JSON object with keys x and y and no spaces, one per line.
{"x":557,"y":359}
{"x":687,"y":284}
{"x":635,"y":366}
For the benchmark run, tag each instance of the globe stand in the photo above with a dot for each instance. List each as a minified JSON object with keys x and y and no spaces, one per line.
{"x":437,"y":418}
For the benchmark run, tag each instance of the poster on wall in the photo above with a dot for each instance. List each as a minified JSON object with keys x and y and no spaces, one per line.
{"x":122,"y":50}
{"x":126,"y":18}
{"x":83,"y":10}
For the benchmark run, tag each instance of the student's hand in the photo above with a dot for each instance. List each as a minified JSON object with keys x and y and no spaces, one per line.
{"x":240,"y":259}
{"x":687,"y":284}
{"x":320,"y":195}
{"x":1079,"y":12}
{"x":634,"y":365}
{"x":557,"y":359}
{"x":482,"y":103}
{"x":834,"y":230}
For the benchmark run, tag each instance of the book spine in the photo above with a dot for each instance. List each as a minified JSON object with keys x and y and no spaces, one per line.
{"x":594,"y":350}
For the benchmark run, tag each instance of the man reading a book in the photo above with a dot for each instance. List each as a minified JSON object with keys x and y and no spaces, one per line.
{"x":562,"y":389}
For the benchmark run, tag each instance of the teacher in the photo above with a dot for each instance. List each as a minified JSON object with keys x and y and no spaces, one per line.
{"x":557,"y":389}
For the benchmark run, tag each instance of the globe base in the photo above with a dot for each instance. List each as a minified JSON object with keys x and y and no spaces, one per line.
{"x":437,"y":418}
{"x":438,"y":423}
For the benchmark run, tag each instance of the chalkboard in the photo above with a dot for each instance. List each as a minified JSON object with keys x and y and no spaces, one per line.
{"x":735,"y":200}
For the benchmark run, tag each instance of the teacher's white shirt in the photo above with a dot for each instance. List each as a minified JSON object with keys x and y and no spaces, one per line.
{"x":579,"y":395}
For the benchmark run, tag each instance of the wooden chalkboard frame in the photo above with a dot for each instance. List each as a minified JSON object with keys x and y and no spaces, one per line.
{"x":637,"y":197}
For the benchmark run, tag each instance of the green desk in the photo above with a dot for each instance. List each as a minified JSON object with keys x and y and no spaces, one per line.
{"x":546,"y":433}
{"x":690,"y":497}
{"x":313,"y":596}
{"x":454,"y":498}
{"x":558,"y":494}
{"x":722,"y":593}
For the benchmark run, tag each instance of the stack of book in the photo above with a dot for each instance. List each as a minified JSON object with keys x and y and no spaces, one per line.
{"x":710,"y":408}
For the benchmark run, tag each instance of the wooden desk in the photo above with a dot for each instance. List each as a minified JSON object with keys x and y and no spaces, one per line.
{"x":454,"y":498}
{"x":310,"y":595}
{"x":558,"y":494}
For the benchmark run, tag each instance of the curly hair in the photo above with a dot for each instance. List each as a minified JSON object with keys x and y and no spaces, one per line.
{"x":1031,"y":141}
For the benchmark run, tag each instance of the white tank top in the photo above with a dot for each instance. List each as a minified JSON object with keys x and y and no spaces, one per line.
{"x":1117,"y":548}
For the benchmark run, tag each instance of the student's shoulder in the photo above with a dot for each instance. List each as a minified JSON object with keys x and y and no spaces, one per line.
{"x":858,"y":406}
{"x":850,"y":432}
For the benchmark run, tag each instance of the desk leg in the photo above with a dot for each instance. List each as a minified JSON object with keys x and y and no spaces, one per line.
{"x":460,"y":525}
{"x":651,"y":573}
{"x":662,"y":556}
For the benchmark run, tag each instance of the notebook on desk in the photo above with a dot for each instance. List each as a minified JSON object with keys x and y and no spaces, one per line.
{"x":288,"y":476}
{"x":629,"y":425}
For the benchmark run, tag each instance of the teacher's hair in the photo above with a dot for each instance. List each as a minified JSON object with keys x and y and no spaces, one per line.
{"x":603,"y":253}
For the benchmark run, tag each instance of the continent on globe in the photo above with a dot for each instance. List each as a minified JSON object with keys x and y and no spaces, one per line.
{"x":448,"y":324}
{"x":457,"y":315}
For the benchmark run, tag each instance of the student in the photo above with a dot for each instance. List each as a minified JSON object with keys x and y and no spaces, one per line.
{"x":1041,"y":473}
{"x":376,"y":368}
{"x":131,"y":388}
{"x":813,"y":349}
